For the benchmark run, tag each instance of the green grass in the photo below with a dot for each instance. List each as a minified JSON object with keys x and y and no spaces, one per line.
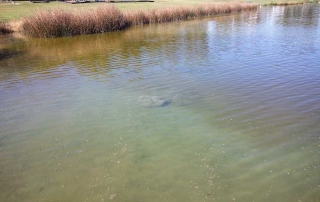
{"x":24,"y":8}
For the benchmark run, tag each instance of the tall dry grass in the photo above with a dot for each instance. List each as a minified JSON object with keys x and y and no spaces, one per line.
{"x":182,"y":13}
{"x":285,"y":3}
{"x":58,"y":22}
{"x":5,"y":28}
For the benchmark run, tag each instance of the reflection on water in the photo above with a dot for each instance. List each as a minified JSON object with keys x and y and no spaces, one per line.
{"x":84,"y":119}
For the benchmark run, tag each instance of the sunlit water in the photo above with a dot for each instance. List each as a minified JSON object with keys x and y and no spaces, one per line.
{"x":220,"y":109}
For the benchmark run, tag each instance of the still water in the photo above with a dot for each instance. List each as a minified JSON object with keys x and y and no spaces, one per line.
{"x":218,"y":109}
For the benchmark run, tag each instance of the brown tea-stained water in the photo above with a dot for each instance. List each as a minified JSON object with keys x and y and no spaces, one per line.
{"x":217,"y":109}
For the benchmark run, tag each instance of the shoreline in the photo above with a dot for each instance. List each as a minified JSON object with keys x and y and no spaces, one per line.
{"x":60,"y":22}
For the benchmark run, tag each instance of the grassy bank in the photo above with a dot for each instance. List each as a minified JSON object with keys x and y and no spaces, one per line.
{"x":286,"y":3}
{"x":60,"y":22}
{"x":24,"y":8}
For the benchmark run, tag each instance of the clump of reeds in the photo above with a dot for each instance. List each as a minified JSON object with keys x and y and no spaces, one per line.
{"x":285,"y":3}
{"x":183,"y":13}
{"x":5,"y":28}
{"x":58,"y":22}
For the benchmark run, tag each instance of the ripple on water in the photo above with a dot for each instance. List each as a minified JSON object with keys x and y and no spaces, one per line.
{"x":241,"y":123}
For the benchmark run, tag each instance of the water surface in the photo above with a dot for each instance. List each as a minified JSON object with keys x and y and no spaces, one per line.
{"x":238,"y":118}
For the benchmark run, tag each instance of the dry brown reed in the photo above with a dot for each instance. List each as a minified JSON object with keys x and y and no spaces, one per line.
{"x":58,"y":22}
{"x":182,"y":13}
{"x":285,"y":3}
{"x":5,"y":28}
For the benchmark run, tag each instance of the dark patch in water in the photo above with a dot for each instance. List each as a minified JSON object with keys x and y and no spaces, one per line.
{"x":7,"y":53}
{"x":154,"y":101}
{"x":41,"y":189}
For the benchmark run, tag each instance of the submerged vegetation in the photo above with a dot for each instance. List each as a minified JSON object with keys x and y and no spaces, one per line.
{"x":5,"y":28}
{"x":59,"y":22}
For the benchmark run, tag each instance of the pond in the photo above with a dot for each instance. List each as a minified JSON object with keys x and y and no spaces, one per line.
{"x":216,"y":109}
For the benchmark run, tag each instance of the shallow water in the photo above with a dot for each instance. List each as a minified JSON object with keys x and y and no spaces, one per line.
{"x":218,"y":109}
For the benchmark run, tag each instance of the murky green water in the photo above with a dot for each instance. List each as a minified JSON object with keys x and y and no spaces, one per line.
{"x":221,"y":109}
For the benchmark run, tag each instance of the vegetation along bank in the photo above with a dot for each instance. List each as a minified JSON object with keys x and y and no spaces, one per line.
{"x":60,"y":22}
